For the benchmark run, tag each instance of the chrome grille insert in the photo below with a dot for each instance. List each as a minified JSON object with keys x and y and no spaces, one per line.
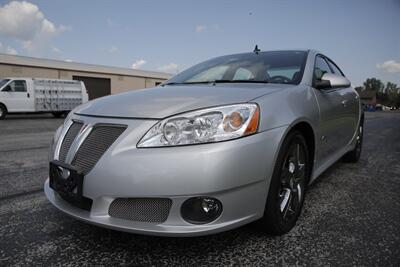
{"x":95,"y":145}
{"x":155,"y":210}
{"x":69,"y":139}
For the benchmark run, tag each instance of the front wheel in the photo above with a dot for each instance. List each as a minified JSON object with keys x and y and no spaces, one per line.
{"x":288,"y":186}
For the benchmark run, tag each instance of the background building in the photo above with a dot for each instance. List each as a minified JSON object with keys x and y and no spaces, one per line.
{"x":368,"y":97}
{"x":99,"y":80}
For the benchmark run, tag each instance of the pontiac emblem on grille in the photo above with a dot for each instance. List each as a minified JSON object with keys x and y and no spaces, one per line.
{"x":64,"y":173}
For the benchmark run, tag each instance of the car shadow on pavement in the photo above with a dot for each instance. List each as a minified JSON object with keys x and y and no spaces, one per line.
{"x":29,"y":117}
{"x":140,"y":247}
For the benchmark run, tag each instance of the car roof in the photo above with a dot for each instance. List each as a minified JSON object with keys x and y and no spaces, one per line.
{"x":309,"y":51}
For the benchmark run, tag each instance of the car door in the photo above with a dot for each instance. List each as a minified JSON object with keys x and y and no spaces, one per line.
{"x":18,"y":99}
{"x":332,"y":130}
{"x":350,"y":104}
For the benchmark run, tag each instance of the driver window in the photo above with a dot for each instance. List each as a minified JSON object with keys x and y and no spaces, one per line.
{"x":243,"y":74}
{"x":17,"y":86}
{"x":321,"y":67}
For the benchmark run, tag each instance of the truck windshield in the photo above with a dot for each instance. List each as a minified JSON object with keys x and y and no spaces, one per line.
{"x":285,"y":67}
{"x":3,"y":82}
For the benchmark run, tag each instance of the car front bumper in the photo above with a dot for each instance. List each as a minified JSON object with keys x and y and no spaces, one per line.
{"x":175,"y":225}
{"x":236,"y":172}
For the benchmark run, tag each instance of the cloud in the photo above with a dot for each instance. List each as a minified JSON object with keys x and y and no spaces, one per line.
{"x":212,"y":27}
{"x":390,"y":66}
{"x":138,"y":64}
{"x":7,"y":50}
{"x":200,"y":28}
{"x":24,"y":22}
{"x":113,"y":49}
{"x":169,"y":68}
{"x":55,"y":49}
{"x":68,"y":60}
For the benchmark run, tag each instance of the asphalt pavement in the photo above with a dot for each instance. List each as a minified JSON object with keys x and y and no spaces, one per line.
{"x":351,"y":215}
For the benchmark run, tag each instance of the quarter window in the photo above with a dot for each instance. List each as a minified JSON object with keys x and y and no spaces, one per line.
{"x":335,"y":69}
{"x":321,"y":67}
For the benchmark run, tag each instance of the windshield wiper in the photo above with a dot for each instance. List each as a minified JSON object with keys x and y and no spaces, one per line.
{"x":175,"y":83}
{"x":216,"y":81}
{"x":239,"y":81}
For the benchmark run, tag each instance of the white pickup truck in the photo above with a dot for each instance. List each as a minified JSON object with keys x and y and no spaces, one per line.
{"x":31,"y":95}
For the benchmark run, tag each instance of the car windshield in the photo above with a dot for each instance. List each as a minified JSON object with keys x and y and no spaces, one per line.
{"x":3,"y":82}
{"x":265,"y":67}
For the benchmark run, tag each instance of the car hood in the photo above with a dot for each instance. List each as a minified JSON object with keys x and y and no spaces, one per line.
{"x":161,"y":102}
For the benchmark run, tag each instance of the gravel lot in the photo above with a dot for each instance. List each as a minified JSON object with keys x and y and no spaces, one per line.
{"x":351,"y":214}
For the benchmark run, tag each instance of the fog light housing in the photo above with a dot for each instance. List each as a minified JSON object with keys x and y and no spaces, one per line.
{"x":201,"y":210}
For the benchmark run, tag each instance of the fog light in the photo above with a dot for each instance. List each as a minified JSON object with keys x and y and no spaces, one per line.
{"x":200,"y":210}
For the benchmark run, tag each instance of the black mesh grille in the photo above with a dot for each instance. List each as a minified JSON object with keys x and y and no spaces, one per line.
{"x":68,"y":139}
{"x":154,"y":210}
{"x":95,"y":145}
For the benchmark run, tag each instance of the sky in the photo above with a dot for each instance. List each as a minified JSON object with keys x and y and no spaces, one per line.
{"x":361,"y":36}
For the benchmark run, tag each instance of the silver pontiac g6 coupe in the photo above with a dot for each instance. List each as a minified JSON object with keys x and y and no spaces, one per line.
{"x":232,"y":140}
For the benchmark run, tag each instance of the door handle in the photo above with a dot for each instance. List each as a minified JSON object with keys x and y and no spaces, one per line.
{"x":28,"y":95}
{"x":344,"y":102}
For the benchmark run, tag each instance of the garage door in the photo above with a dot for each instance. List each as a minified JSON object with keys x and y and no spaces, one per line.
{"x":96,"y":87}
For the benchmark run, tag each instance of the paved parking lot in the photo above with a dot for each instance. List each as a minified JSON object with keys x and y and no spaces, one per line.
{"x":351,"y":214}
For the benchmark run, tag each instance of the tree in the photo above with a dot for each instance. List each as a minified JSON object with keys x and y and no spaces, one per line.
{"x":390,"y":87}
{"x":388,"y":95}
{"x":392,"y":93}
{"x":373,"y":84}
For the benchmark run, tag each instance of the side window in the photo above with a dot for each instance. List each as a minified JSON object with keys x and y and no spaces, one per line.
{"x":18,"y":86}
{"x":321,"y":67}
{"x":243,"y":74}
{"x":335,"y":69}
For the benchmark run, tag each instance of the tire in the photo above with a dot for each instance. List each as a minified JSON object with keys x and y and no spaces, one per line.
{"x":3,"y":112}
{"x":354,"y":155}
{"x":58,"y":114}
{"x":288,"y":186}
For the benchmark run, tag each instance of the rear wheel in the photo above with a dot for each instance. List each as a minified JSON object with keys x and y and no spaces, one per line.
{"x":354,"y":155}
{"x":288,"y":185}
{"x":3,"y":112}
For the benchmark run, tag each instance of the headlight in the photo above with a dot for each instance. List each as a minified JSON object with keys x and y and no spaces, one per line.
{"x":204,"y":126}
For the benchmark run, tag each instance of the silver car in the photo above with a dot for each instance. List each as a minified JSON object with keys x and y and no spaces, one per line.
{"x":232,"y":140}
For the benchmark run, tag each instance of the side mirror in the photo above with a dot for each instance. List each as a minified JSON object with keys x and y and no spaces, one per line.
{"x":331,"y":81}
{"x":7,"y":89}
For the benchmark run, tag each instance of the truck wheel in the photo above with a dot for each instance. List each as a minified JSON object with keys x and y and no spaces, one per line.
{"x":3,"y":112}
{"x":58,"y":114}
